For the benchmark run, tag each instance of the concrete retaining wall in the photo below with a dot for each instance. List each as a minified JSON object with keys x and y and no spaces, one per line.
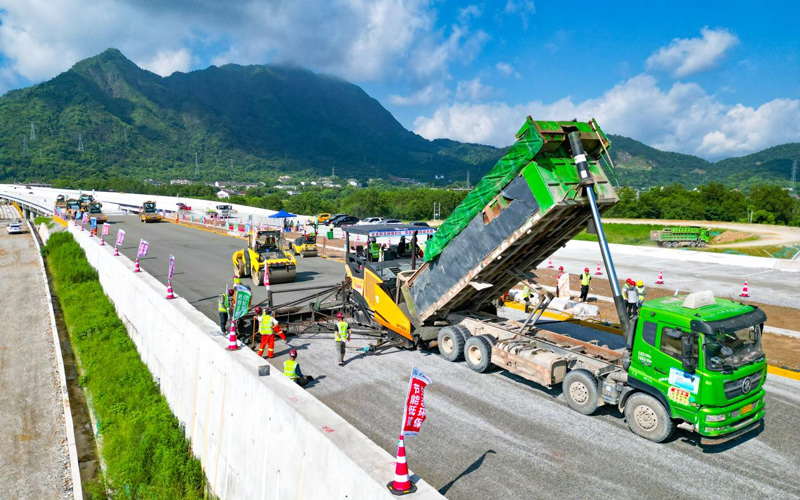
{"x":257,"y":436}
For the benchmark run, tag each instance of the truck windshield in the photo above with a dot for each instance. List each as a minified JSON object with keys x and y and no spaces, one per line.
{"x":731,"y":350}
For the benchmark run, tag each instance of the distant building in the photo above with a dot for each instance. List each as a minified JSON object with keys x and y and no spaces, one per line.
{"x":181,"y":182}
{"x":285,"y":178}
{"x":222,"y":194}
{"x":353,"y":182}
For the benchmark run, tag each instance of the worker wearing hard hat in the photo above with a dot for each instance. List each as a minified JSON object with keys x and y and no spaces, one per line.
{"x":631,"y":296}
{"x":585,"y":279}
{"x":291,"y":368}
{"x":641,"y":290}
{"x":224,"y":307}
{"x":267,"y":327}
{"x":342,"y":336}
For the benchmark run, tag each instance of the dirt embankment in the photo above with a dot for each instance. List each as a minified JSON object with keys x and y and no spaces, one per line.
{"x":781,"y":350}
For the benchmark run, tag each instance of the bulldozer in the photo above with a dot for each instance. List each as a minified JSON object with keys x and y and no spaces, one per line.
{"x":265,"y":251}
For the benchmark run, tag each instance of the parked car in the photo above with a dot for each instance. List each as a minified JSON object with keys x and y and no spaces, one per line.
{"x":345,"y":221}
{"x":183,"y":206}
{"x":419,"y":223}
{"x":15,"y":227}
{"x":335,"y":218}
{"x":391,"y":221}
{"x":323,"y":217}
{"x":371,"y":220}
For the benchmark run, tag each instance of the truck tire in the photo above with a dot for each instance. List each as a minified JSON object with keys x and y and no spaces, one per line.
{"x":464,"y":332}
{"x":478,"y":353}
{"x":451,"y":343}
{"x":648,"y":418}
{"x":580,"y":391}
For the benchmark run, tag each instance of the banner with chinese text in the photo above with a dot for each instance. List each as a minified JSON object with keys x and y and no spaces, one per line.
{"x":414,"y":413}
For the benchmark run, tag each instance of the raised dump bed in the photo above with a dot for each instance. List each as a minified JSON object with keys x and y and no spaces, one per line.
{"x":526,"y":208}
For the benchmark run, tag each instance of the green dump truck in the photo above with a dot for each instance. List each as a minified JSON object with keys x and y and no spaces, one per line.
{"x":681,"y":236}
{"x":693,"y":360}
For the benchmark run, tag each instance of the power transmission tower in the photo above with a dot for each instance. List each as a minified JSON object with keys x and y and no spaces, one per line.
{"x":794,"y":176}
{"x":33,"y":131}
{"x":196,"y":167}
{"x":467,"y":179}
{"x":80,"y":143}
{"x":333,"y":170}
{"x":24,"y":146}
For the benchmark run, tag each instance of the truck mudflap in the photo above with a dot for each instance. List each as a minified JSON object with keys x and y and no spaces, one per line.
{"x":748,"y":427}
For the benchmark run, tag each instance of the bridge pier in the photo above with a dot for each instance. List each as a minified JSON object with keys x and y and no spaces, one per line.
{"x":26,"y":213}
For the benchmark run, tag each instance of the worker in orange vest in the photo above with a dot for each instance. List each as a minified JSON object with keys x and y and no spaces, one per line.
{"x":267,"y":327}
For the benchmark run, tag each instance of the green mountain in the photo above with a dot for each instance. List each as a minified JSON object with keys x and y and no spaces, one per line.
{"x":244,"y":122}
{"x":106,"y":117}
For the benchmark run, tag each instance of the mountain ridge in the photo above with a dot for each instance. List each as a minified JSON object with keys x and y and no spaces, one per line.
{"x":256,"y":122}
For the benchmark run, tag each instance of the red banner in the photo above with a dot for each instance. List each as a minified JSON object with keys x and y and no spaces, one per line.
{"x":414,"y":413}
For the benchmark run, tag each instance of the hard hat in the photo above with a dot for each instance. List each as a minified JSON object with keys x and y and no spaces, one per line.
{"x":230,"y":291}
{"x":340,"y":315}
{"x":560,"y":268}
{"x":292,"y":354}
{"x":257,"y":310}
{"x":640,"y":283}
{"x":586,"y":269}
{"x":629,"y":281}
{"x":267,"y":310}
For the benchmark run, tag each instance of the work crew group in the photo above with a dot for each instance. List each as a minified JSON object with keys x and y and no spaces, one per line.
{"x":268,"y":327}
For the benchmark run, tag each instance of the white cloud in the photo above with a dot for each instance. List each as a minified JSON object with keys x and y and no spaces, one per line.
{"x":506,"y":69}
{"x":167,"y":62}
{"x":427,"y":95}
{"x":686,"y":56}
{"x":472,"y":90}
{"x":522,"y":8}
{"x":470,"y":11}
{"x":362,"y":40}
{"x":684,"y":118}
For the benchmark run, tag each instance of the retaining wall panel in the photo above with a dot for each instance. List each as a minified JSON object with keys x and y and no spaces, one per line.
{"x":257,"y":436}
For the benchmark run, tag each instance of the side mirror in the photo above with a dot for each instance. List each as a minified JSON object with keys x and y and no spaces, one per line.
{"x":687,"y":352}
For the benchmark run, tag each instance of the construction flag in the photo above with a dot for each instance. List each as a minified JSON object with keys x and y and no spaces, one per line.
{"x":414,"y":413}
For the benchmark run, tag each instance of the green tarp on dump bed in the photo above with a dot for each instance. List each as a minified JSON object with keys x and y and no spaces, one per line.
{"x":529,"y":142}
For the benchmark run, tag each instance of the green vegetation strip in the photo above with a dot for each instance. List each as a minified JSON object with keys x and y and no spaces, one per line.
{"x":43,"y":220}
{"x":143,"y":447}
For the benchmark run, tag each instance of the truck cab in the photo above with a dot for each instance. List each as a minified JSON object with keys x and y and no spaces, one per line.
{"x":224,"y":211}
{"x":701,"y":358}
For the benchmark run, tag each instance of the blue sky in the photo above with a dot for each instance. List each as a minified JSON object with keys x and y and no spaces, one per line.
{"x":715,"y":79}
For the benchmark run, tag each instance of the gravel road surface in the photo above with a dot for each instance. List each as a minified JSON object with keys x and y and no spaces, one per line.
{"x":34,"y":459}
{"x":493,"y":435}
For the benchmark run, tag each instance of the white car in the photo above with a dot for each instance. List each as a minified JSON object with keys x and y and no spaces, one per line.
{"x":15,"y":228}
{"x":370,"y":220}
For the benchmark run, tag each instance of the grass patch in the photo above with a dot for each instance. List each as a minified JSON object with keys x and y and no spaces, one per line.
{"x":771,"y":251}
{"x":625,"y":234}
{"x":43,"y":220}
{"x":146,"y":453}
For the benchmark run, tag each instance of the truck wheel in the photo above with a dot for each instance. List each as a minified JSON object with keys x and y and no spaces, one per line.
{"x":580,"y":391}
{"x":464,"y":332}
{"x":478,"y":353}
{"x":693,"y":244}
{"x":648,"y":418}
{"x":451,"y":343}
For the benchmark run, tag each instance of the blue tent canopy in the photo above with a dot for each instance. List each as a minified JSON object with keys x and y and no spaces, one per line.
{"x":283,"y":214}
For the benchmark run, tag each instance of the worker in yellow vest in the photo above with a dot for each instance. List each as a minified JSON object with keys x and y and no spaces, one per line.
{"x":267,"y":327}
{"x":291,"y":368}
{"x":342,"y":336}
{"x":585,"y":279}
{"x":224,"y":307}
{"x":236,"y":280}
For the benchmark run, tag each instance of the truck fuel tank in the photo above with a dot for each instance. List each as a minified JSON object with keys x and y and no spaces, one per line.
{"x":525,"y":359}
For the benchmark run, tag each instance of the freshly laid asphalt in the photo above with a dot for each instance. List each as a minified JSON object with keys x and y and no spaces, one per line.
{"x":492,"y":435}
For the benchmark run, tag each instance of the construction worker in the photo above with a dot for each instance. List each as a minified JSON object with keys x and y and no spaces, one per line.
{"x":374,"y":249}
{"x":224,"y":306}
{"x":291,"y":368}
{"x":559,"y":287}
{"x":342,"y":336}
{"x":641,"y":290}
{"x":585,"y":279}
{"x":526,"y":295}
{"x":631,"y":296}
{"x":267,"y":327}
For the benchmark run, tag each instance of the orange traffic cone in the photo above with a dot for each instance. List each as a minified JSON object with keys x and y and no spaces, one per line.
{"x":598,"y":272}
{"x":744,"y":290}
{"x":102,"y":241}
{"x":170,"y":295}
{"x":136,"y":267}
{"x":232,"y":345}
{"x":116,"y":252}
{"x":550,"y":263}
{"x":401,"y":485}
{"x":82,"y":229}
{"x":660,"y":280}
